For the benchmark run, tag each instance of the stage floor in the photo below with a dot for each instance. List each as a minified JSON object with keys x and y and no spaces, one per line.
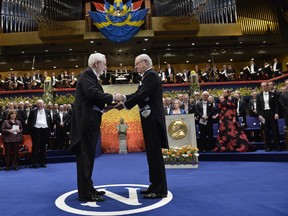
{"x":214,"y":189}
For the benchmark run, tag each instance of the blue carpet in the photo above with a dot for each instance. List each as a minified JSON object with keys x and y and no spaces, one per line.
{"x":216,"y":188}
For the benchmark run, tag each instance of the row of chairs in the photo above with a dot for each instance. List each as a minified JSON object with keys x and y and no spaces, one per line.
{"x":252,"y":127}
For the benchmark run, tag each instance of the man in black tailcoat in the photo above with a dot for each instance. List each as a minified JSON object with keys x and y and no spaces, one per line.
{"x":267,"y":109}
{"x":149,"y":99}
{"x":204,"y":112}
{"x":90,"y":100}
{"x":39,"y":122}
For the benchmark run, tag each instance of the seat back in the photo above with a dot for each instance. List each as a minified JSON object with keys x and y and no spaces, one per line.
{"x":252,"y":122}
{"x":281,"y":126}
{"x":215,"y":130}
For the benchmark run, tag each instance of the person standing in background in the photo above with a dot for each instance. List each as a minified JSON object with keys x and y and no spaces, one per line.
{"x":12,"y":137}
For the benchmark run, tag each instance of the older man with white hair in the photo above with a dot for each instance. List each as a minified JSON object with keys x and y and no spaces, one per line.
{"x":88,"y":108}
{"x":204,"y":112}
{"x":39,"y":122}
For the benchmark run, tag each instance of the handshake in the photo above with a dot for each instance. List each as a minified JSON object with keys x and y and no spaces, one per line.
{"x":118,"y":104}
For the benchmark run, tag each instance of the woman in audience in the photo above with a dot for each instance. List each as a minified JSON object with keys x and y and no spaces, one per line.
{"x":176,"y":108}
{"x":231,"y":136}
{"x":11,"y":137}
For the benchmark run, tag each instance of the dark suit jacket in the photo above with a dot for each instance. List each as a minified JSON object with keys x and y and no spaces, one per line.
{"x":150,"y":93}
{"x":284,"y":105}
{"x":33,"y":116}
{"x":89,"y":92}
{"x":273,"y":103}
{"x":199,"y":110}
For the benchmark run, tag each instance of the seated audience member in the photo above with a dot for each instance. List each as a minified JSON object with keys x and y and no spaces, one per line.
{"x":12,"y":137}
{"x":176,"y":108}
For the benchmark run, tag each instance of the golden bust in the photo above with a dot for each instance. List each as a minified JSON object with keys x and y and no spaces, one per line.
{"x":177,"y":129}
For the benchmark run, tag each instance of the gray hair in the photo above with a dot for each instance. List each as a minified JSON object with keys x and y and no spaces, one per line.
{"x":145,"y":57}
{"x":95,"y":57}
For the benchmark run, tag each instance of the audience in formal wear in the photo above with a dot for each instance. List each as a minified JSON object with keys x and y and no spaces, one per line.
{"x":267,"y":109}
{"x":176,"y":110}
{"x":231,"y":136}
{"x":240,"y":108}
{"x":39,"y":122}
{"x":252,"y":105}
{"x":204,"y":112}
{"x":11,"y":137}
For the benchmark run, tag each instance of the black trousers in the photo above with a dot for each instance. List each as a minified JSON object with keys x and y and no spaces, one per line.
{"x":152,"y":133}
{"x":85,"y":155}
{"x":40,"y":138}
{"x":270,"y":126}
{"x":11,"y":154}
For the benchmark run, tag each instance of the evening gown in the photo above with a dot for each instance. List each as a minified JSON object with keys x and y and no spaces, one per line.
{"x":231,"y":137}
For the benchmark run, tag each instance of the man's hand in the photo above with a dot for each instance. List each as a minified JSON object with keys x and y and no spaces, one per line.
{"x":119,"y":106}
{"x":118,"y":97}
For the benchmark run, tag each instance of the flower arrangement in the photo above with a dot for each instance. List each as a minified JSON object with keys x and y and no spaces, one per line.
{"x":181,"y":155}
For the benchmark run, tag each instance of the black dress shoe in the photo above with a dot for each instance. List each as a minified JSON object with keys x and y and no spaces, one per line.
{"x":92,"y":198}
{"x":145,"y":191}
{"x":154,"y":196}
{"x":99,"y":192}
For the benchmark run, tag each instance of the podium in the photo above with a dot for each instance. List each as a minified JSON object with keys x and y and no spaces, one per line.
{"x":181,"y":130}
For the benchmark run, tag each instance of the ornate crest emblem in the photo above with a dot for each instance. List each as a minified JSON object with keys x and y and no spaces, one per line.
{"x":118,"y":22}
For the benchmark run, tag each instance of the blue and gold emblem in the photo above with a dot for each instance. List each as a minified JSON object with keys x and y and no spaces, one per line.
{"x":118,"y":22}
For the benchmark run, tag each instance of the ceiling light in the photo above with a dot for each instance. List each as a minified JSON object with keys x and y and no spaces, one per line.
{"x":32,"y":68}
{"x":46,"y":50}
{"x":11,"y":69}
{"x":241,"y":42}
{"x":146,"y":39}
{"x":217,"y":43}
{"x":54,"y":67}
{"x":22,"y":52}
{"x":187,"y":61}
{"x":209,"y":60}
{"x":264,"y":42}
{"x":165,"y":62}
{"x":231,"y":60}
{"x":70,"y":49}
{"x":95,"y":51}
{"x":120,"y":50}
{"x":144,"y":49}
{"x":168,"y":45}
{"x":92,"y":42}
{"x":76,"y":66}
